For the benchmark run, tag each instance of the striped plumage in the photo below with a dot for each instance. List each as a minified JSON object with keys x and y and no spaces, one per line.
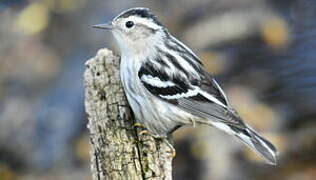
{"x":166,"y":84}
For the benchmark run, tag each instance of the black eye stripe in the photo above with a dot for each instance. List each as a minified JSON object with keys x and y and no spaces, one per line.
{"x":129,"y":24}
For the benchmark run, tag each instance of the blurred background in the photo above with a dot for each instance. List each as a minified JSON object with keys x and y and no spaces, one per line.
{"x":262,"y":52}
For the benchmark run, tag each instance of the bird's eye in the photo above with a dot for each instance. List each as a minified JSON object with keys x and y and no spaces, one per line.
{"x":129,"y":24}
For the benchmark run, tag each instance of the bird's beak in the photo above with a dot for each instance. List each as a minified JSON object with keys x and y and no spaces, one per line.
{"x":107,"y":26}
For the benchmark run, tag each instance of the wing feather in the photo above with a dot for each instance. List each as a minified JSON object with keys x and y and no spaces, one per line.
{"x":200,"y":96}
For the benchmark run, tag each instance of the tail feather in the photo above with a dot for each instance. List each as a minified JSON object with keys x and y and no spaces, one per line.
{"x":257,"y":143}
{"x":252,"y":139}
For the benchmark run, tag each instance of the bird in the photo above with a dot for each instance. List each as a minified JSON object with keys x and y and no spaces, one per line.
{"x":167,"y":86}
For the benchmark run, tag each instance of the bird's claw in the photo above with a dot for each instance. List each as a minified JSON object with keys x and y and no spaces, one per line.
{"x":173,"y":153}
{"x":172,"y":150}
{"x":144,"y":132}
{"x":138,"y":125}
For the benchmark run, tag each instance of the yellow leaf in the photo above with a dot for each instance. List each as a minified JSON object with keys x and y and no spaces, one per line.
{"x":32,"y":19}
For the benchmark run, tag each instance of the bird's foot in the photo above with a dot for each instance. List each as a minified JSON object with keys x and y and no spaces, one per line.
{"x":138,"y":125}
{"x":155,"y":136}
{"x":143,"y":132}
{"x":173,"y":152}
{"x":162,"y":138}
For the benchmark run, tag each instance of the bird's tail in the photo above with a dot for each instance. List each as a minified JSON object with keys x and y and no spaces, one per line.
{"x":252,"y":139}
{"x":257,"y":143}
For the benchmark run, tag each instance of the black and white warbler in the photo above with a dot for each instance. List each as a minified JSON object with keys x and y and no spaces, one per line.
{"x":167,"y":86}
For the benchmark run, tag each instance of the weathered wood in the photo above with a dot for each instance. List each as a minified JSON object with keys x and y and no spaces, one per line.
{"x":117,"y":149}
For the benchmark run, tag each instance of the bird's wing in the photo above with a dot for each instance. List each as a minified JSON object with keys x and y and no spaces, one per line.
{"x":201,"y":97}
{"x":204,"y":98}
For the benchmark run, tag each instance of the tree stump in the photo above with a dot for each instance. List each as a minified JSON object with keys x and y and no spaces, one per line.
{"x":118,"y":151}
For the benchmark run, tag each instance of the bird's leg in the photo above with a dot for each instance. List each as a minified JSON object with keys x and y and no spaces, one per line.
{"x":163,"y":138}
{"x":143,"y":131}
{"x":172,"y":149}
{"x":193,"y":122}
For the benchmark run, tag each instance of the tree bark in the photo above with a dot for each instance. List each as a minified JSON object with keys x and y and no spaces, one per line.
{"x":118,"y":151}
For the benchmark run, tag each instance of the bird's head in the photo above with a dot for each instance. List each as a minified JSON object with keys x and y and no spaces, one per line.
{"x":136,"y":29}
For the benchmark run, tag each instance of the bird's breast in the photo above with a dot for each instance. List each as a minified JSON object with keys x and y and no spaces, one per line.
{"x":158,"y":116}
